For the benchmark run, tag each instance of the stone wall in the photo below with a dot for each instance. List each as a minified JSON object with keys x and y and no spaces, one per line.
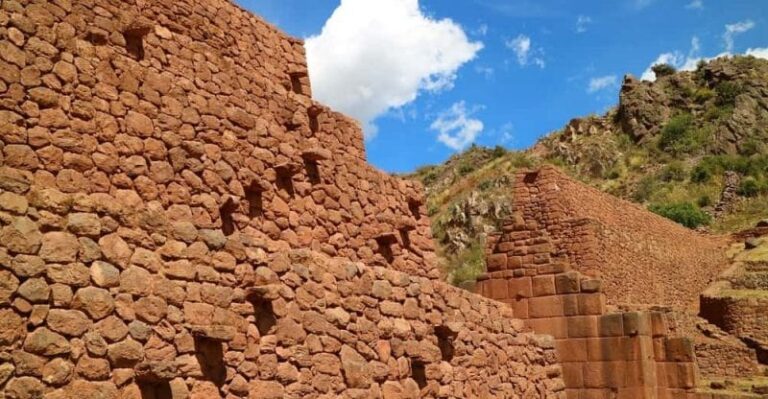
{"x":160,"y":162}
{"x":637,"y":254}
{"x":629,"y":354}
{"x":744,"y":317}
{"x":203,"y":111}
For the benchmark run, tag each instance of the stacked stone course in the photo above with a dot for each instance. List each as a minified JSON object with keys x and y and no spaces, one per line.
{"x":551,"y":263}
{"x":637,"y":254}
{"x":160,"y":164}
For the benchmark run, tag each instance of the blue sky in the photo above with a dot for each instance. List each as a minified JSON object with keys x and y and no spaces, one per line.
{"x":500,"y":72}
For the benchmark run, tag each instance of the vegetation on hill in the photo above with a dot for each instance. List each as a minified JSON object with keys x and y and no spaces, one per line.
{"x":670,"y":145}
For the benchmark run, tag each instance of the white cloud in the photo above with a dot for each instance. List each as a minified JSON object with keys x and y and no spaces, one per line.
{"x":758,"y":52}
{"x":581,"y":23}
{"x":602,"y":83}
{"x":695,"y":5}
{"x":482,"y":30}
{"x":487,"y":72}
{"x":521,"y":46}
{"x":690,"y":62}
{"x":374,"y":56}
{"x":732,"y":30}
{"x":456,"y":127}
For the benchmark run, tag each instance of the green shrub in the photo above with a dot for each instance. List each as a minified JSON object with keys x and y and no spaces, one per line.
{"x":751,"y":187}
{"x":685,"y":213}
{"x":703,"y":94}
{"x":465,"y":169}
{"x":675,"y":171}
{"x":485,"y":185}
{"x":704,"y":201}
{"x":499,"y":152}
{"x":680,"y":136}
{"x":701,"y":174}
{"x":647,"y":186}
{"x":752,"y":147}
{"x":727,"y":93}
{"x":663,"y":70}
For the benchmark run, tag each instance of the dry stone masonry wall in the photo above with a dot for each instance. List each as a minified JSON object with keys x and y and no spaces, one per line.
{"x":637,"y":254}
{"x":160,"y":164}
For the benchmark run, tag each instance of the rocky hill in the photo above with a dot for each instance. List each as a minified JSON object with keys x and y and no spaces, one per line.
{"x":692,"y":146}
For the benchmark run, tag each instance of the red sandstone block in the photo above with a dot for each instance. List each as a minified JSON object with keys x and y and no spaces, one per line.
{"x":551,"y":268}
{"x":640,"y":374}
{"x":572,"y":393}
{"x":567,"y":283}
{"x":638,"y":348}
{"x":663,"y":393}
{"x":637,"y":323}
{"x":554,"y":326}
{"x":506,"y":246}
{"x":582,"y":326}
{"x":572,"y":375}
{"x":497,"y":262}
{"x":681,"y":375}
{"x":591,"y":285}
{"x":604,"y":374}
{"x":605,"y":349}
{"x":571,"y":350}
{"x":514,"y":262}
{"x":679,"y":349}
{"x":498,"y":289}
{"x":659,"y":352}
{"x":658,"y":324}
{"x":591,"y":304}
{"x":611,"y":325}
{"x":520,"y":288}
{"x":545,"y":306}
{"x":636,"y":393}
{"x":571,"y":305}
{"x":597,"y":394}
{"x":543,"y":285}
{"x":661,"y":375}
{"x":520,"y":308}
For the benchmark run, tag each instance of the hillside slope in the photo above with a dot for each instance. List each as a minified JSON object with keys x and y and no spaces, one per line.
{"x":692,"y":146}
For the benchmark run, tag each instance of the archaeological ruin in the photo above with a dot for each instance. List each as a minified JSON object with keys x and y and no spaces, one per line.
{"x":180,"y":220}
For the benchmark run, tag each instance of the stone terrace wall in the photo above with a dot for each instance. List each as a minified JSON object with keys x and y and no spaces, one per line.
{"x":638,"y":255}
{"x":603,"y":355}
{"x":746,"y":318}
{"x":297,"y":325}
{"x":202,"y":111}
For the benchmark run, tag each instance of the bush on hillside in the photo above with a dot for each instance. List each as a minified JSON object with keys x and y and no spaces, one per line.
{"x":752,"y":187}
{"x":727,"y":93}
{"x":499,"y":152}
{"x":680,"y":136}
{"x":684,"y":213}
{"x":701,"y":174}
{"x":663,"y":70}
{"x":675,"y":171}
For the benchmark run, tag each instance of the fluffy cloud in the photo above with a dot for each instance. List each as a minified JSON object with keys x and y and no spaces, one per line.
{"x":374,"y":56}
{"x":695,"y":5}
{"x":602,"y":83}
{"x":679,"y":60}
{"x":733,"y":30}
{"x":758,"y":52}
{"x":581,"y":23}
{"x":521,"y":46}
{"x":456,"y":126}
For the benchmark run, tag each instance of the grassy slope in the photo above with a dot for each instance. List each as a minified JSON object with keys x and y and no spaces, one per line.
{"x":682,"y":164}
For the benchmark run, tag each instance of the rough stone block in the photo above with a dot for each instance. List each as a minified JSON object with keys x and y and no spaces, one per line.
{"x":582,"y":326}
{"x":543,"y":285}
{"x":546,"y":306}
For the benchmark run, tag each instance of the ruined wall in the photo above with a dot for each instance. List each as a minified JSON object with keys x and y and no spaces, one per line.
{"x":744,"y":317}
{"x":204,"y":111}
{"x":629,"y":354}
{"x":159,"y":164}
{"x":637,"y":254}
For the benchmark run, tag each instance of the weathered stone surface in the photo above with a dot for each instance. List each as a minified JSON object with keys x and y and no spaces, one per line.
{"x":356,"y":371}
{"x":68,"y":322}
{"x":57,"y":372}
{"x":24,"y":388}
{"x":84,"y":224}
{"x":115,"y":250}
{"x":45,"y":342}
{"x":96,"y":302}
{"x":21,"y":236}
{"x":13,"y":203}
{"x":135,"y":281}
{"x":35,"y":290}
{"x":59,"y":247}
{"x":125,"y":353}
{"x":104,"y":274}
{"x":11,"y":328}
{"x":8,"y":286}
